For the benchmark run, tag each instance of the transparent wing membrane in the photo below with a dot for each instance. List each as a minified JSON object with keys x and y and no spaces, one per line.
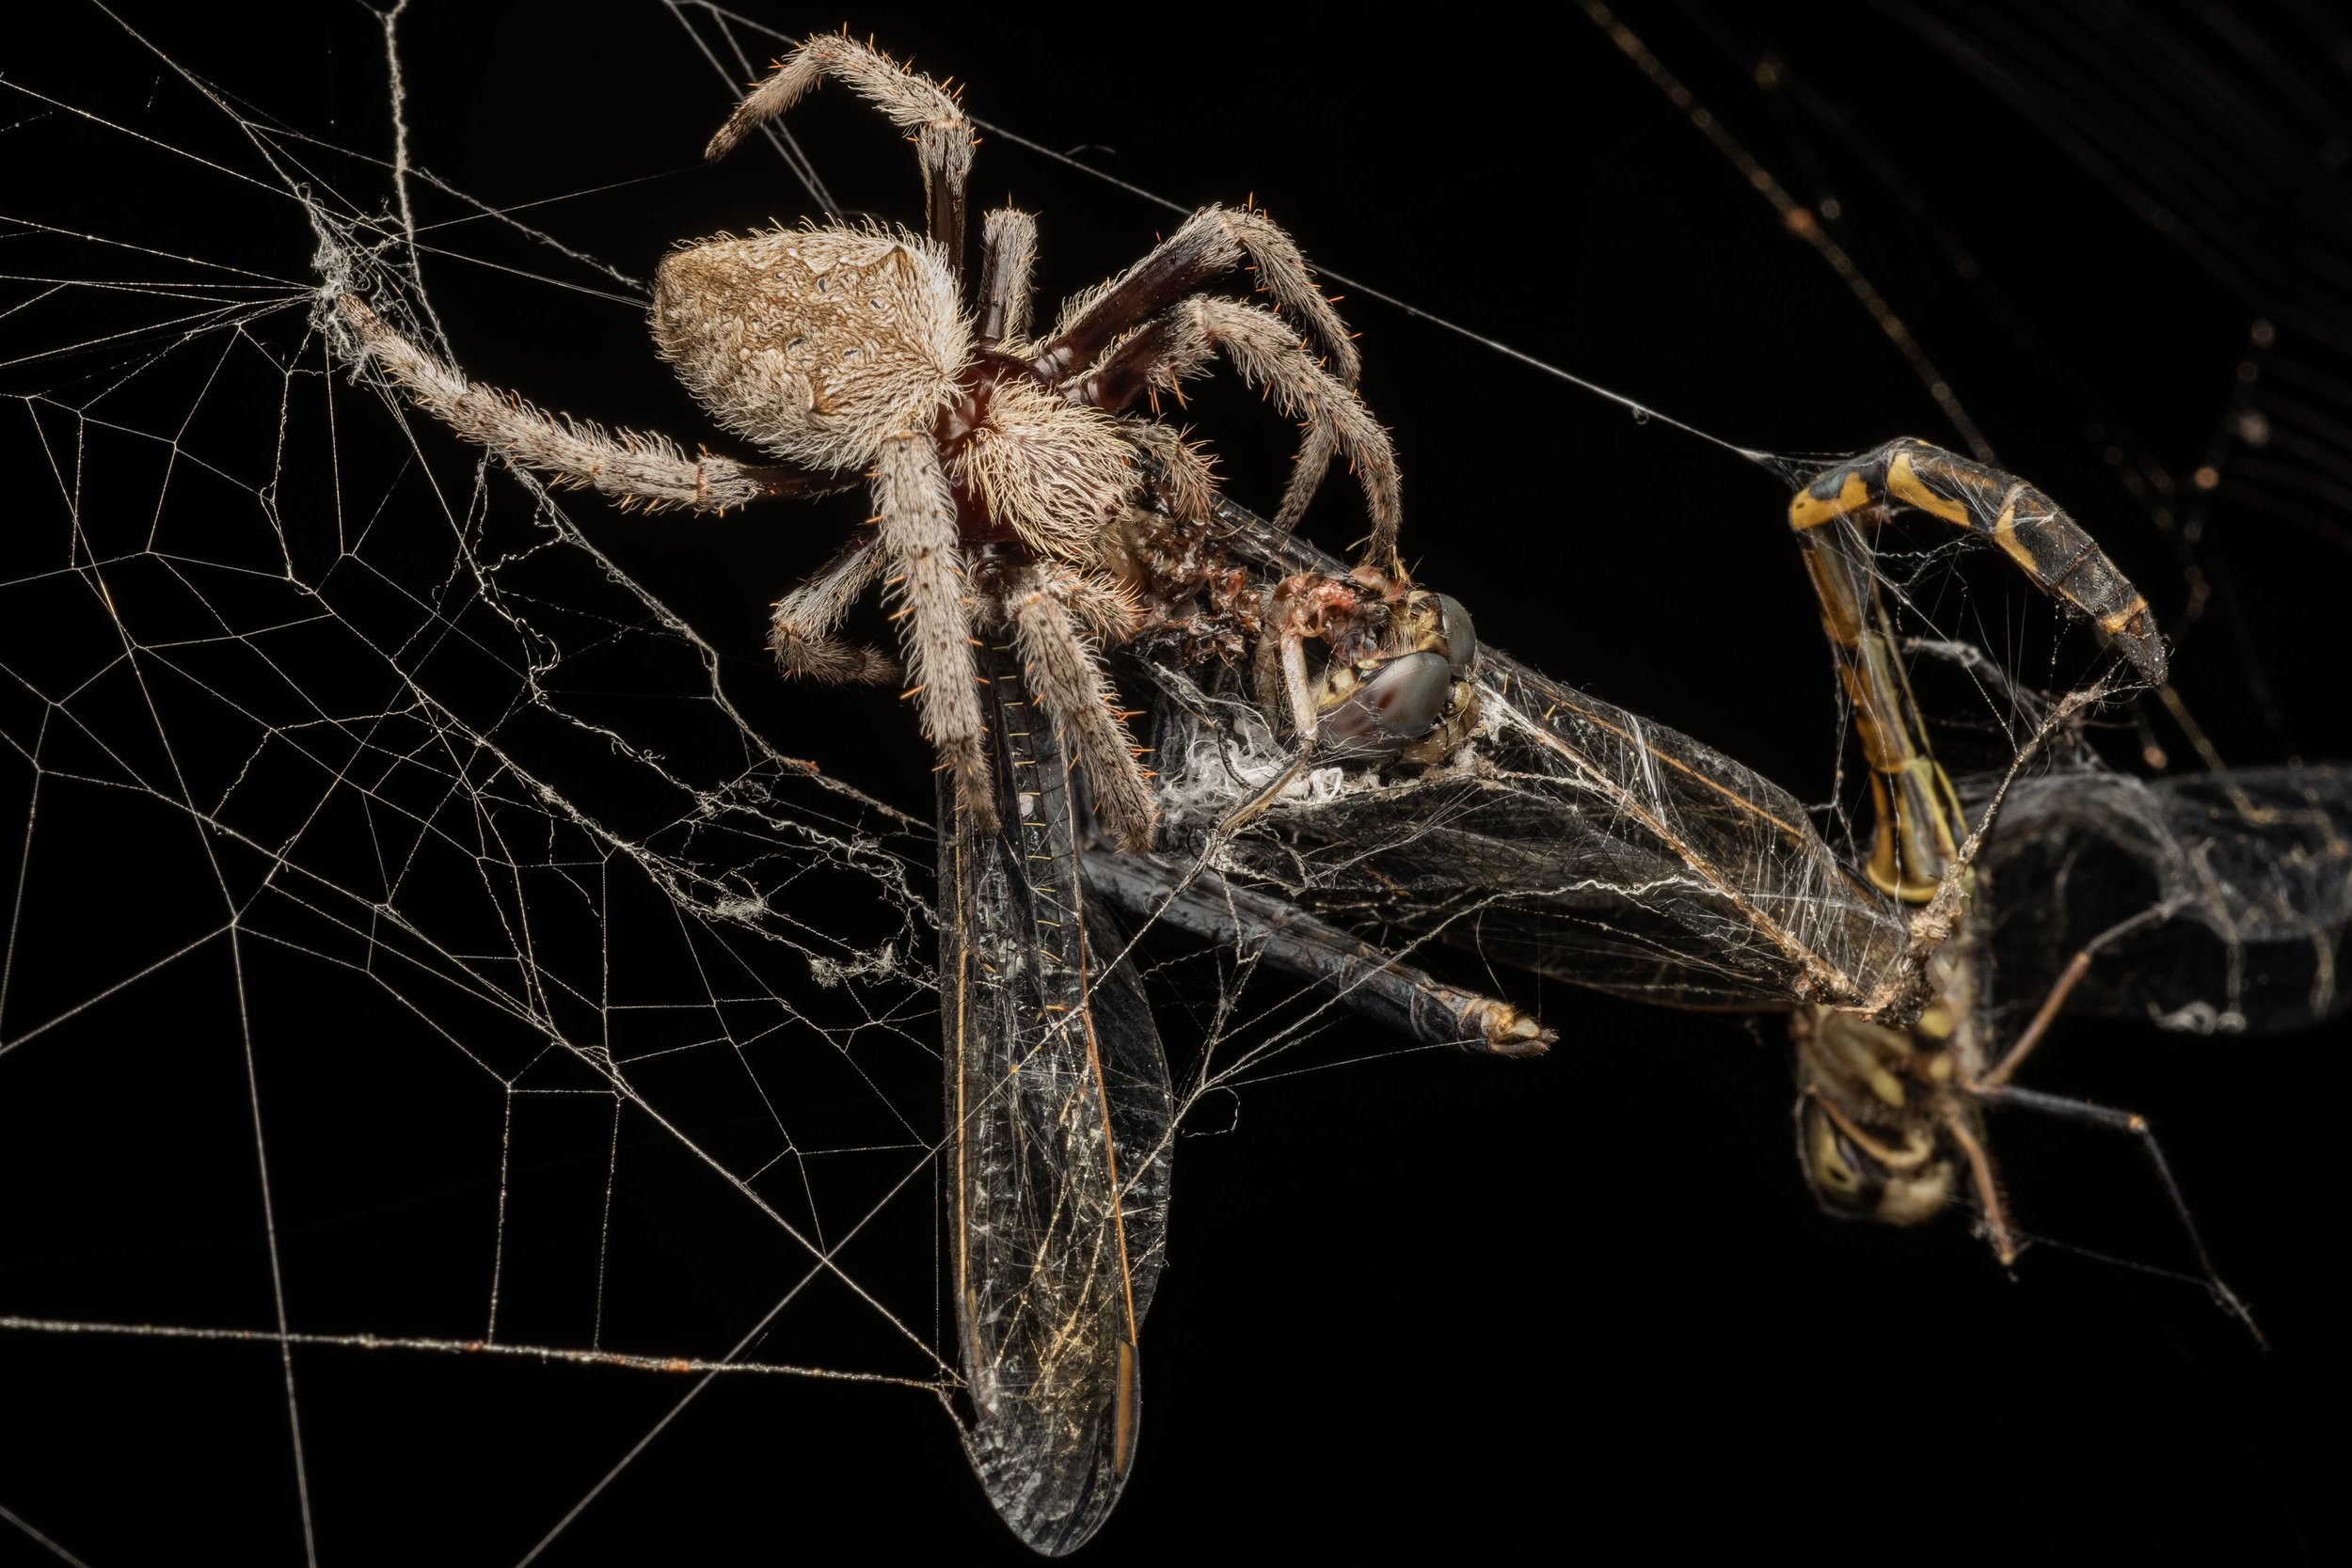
{"x":2241,"y":882}
{"x":1574,"y":839}
{"x":1059,"y":1116}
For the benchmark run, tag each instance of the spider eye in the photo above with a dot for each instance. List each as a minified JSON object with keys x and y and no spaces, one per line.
{"x":1398,"y":704}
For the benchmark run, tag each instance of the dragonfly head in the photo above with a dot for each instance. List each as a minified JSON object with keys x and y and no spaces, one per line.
{"x":1412,"y":700}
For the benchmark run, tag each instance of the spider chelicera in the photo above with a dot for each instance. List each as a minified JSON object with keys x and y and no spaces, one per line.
{"x":996,"y":461}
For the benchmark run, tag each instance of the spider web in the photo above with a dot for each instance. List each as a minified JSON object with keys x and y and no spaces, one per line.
{"x":469,"y":1059}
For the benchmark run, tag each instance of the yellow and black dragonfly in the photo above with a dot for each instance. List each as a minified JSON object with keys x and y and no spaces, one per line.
{"x":1572,"y":838}
{"x":1345,"y":773}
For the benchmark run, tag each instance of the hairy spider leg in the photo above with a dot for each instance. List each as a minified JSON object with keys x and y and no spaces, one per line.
{"x":1179,"y":342}
{"x":631,"y":468}
{"x":1069,"y":683}
{"x":1183,"y":475}
{"x":1008,"y":255}
{"x":910,"y":99}
{"x":915,"y":511}
{"x":802,"y":633}
{"x":1213,"y":241}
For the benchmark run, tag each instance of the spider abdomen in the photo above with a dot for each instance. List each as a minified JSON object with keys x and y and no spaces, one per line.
{"x":817,"y":343}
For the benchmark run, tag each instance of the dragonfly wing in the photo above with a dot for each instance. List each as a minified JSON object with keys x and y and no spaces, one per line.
{"x":2240,"y":881}
{"x":1058,"y":1114}
{"x":1574,"y":838}
{"x":1660,"y":869}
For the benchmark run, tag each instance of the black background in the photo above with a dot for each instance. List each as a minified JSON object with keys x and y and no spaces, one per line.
{"x":1417,"y":1304}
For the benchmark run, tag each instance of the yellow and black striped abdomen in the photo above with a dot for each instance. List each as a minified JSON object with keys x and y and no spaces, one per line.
{"x":2032,"y":529}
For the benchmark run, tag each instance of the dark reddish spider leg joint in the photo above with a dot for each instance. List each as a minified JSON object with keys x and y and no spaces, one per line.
{"x":995,"y":563}
{"x":1127,"y":375}
{"x":793,"y":482}
{"x":1148,"y":290}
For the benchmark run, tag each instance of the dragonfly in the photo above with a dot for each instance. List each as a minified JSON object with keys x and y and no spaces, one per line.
{"x":1582,"y":842}
{"x":1461,"y":793}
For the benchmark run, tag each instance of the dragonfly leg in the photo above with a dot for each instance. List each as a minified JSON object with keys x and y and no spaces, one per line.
{"x":1980,"y":1173}
{"x":1346,"y":968}
{"x":2091,"y":1115}
{"x":2077,"y":967}
{"x":1283,"y":668}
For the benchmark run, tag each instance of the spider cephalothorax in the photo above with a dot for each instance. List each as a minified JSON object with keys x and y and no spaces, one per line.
{"x":849,"y":352}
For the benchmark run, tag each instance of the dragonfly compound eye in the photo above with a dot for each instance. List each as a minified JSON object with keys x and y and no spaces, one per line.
{"x":1436,"y":623}
{"x":1398,"y":704}
{"x":1461,"y":637}
{"x":1851,"y":1181}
